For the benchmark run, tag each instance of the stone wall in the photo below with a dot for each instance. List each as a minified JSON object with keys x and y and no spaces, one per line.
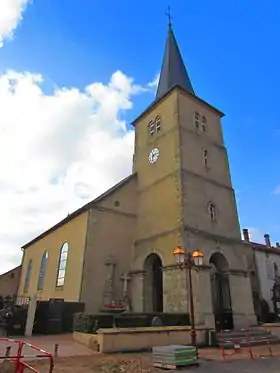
{"x":110,"y":237}
{"x":175,"y":292}
{"x":133,"y":339}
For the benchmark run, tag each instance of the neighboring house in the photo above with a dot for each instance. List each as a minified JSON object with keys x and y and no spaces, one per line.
{"x":267,"y":265}
{"x":9,"y":282}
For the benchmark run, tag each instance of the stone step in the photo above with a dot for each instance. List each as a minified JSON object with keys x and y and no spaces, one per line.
{"x":239,"y":337}
{"x":253,"y":342}
{"x":241,"y":333}
{"x":257,"y":337}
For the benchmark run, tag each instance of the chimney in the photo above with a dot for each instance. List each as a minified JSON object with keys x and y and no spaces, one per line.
{"x":277,"y":245}
{"x":246,"y":235}
{"x":267,"y":240}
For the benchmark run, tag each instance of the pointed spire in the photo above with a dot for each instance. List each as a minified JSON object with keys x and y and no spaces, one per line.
{"x":173,"y":71}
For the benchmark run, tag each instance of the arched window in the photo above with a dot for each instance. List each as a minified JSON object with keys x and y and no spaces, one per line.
{"x":151,"y":127}
{"x":62,"y":264}
{"x":212,"y":211}
{"x":204,"y":124}
{"x":196,"y":120}
{"x":42,"y":271}
{"x":27,"y":276}
{"x":205,"y":157}
{"x":157,"y":120}
{"x":276,"y":274}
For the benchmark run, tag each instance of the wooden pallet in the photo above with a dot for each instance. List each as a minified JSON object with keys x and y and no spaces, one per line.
{"x":175,"y":367}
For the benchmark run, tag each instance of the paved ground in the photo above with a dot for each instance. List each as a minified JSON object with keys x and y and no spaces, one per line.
{"x":267,"y":365}
{"x":66,"y":346}
{"x":74,"y":357}
{"x":132,"y":364}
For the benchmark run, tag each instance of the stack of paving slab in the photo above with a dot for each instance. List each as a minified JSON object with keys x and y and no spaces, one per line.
{"x":173,"y":357}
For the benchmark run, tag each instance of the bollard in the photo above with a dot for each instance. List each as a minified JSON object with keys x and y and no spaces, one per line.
{"x":56,"y":350}
{"x":8,"y":351}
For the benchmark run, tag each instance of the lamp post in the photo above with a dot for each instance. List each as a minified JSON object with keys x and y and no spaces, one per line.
{"x":189,"y":260}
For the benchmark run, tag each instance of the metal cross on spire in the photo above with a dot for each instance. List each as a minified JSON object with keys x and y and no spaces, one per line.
{"x":168,"y":13}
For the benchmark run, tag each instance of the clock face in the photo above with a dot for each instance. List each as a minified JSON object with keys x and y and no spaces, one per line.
{"x":154,"y":155}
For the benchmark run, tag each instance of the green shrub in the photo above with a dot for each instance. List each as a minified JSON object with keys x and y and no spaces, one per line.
{"x":88,"y":323}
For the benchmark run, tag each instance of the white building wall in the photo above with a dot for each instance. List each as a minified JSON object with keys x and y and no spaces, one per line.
{"x":266,"y":274}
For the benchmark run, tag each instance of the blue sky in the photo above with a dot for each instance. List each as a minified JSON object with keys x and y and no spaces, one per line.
{"x":230,"y":51}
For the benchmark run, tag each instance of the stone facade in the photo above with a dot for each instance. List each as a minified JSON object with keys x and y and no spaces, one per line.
{"x":264,"y":267}
{"x":182,"y":185}
{"x":110,"y":237}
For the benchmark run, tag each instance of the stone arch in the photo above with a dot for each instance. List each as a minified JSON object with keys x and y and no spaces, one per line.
{"x":220,"y":286}
{"x":219,"y":262}
{"x":153,"y":284}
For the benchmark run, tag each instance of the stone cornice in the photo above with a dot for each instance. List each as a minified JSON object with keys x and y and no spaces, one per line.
{"x":194,"y":174}
{"x":212,"y":236}
{"x":208,"y":235}
{"x":136,"y":272}
{"x":208,"y":180}
{"x":238,"y":272}
{"x":155,"y":236}
{"x":209,"y":139}
{"x":170,"y":267}
{"x":205,"y":234}
{"x":112,"y":211}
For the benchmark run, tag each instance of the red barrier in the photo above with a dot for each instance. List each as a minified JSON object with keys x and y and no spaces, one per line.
{"x":248,"y":346}
{"x":22,"y":366}
{"x":270,"y":353}
{"x":236,"y":347}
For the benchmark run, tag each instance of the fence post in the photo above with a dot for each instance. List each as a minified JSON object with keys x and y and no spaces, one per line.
{"x":19,"y":365}
{"x":248,"y":339}
{"x":56,"y":350}
{"x":8,"y":351}
{"x":223,"y":346}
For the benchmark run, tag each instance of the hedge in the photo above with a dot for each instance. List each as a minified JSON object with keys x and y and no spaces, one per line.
{"x":89,"y":323}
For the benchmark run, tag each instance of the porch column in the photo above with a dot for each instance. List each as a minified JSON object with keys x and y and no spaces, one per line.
{"x":30,"y":316}
{"x":203,"y":298}
{"x":175,"y":290}
{"x":241,"y":299}
{"x":137,"y":291}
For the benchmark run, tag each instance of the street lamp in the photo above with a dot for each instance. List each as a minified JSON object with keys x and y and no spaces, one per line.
{"x":189,"y":260}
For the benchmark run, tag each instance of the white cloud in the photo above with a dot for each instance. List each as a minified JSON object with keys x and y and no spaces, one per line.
{"x":277,"y":190}
{"x":10,"y":15}
{"x":154,"y":83}
{"x":57,"y":152}
{"x":256,"y":235}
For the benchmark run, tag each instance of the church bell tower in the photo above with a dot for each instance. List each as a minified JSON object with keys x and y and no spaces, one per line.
{"x":186,"y":198}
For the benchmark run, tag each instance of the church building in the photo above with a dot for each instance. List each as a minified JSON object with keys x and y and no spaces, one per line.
{"x":119,"y":247}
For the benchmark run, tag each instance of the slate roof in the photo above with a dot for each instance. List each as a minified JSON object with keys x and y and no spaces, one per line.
{"x":173,"y":71}
{"x":264,"y":248}
{"x":173,"y":74}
